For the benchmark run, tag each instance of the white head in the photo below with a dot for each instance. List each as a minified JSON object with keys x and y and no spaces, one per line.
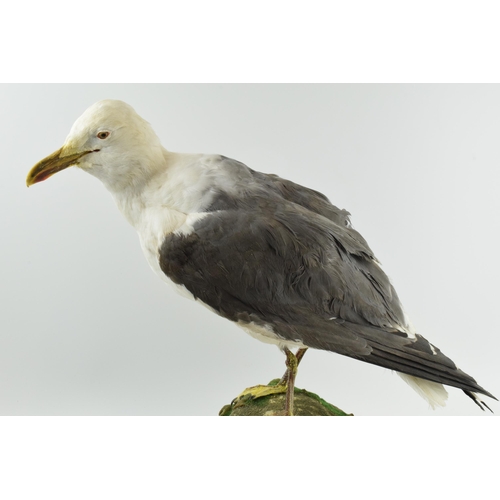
{"x":110,"y":141}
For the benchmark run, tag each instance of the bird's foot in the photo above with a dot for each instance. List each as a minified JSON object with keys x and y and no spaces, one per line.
{"x":284,"y":386}
{"x":257,"y":391}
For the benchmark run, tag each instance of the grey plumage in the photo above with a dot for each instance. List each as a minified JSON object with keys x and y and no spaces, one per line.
{"x":276,"y":254}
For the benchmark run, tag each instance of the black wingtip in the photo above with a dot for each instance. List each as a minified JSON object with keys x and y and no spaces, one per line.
{"x":478,"y":401}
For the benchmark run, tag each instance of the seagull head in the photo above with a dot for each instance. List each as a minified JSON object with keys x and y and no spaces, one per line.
{"x":110,"y":141}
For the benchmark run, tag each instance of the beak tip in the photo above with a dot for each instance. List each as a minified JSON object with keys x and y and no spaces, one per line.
{"x":52,"y":164}
{"x":30,"y":180}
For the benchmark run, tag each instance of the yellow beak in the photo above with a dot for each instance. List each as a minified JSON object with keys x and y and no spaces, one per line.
{"x":52,"y":164}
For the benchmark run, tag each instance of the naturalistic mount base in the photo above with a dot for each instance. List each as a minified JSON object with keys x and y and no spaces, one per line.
{"x":269,"y":400}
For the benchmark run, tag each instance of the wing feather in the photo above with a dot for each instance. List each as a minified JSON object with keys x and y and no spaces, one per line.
{"x":281,"y":256}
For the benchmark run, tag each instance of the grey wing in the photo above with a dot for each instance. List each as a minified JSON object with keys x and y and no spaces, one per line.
{"x":281,"y":257}
{"x":252,"y":186}
{"x":295,"y":274}
{"x":308,"y":198}
{"x":282,"y":264}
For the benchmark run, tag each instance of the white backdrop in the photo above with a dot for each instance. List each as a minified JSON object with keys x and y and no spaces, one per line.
{"x":87,"y":329}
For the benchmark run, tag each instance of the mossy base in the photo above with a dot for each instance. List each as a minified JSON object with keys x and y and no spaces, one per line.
{"x":305,"y":404}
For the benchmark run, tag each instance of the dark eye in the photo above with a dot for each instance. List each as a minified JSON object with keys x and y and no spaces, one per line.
{"x":103,"y":135}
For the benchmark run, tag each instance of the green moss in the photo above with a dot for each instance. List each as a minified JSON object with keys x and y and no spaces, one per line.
{"x":305,"y":404}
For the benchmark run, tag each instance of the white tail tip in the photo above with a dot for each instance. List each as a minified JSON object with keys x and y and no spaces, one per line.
{"x":434,"y":393}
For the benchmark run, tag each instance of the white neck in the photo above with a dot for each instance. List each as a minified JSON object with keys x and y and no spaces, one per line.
{"x":177,"y":184}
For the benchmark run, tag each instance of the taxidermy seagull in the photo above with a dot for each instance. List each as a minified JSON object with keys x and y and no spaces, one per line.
{"x":276,"y":258}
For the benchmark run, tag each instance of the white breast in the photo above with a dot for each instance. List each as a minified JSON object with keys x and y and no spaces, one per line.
{"x":168,"y":203}
{"x":157,"y":223}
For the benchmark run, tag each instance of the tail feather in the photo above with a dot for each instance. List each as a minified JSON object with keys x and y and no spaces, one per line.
{"x":434,"y":393}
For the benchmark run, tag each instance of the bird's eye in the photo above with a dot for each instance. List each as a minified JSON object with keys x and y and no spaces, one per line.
{"x":103,"y":135}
